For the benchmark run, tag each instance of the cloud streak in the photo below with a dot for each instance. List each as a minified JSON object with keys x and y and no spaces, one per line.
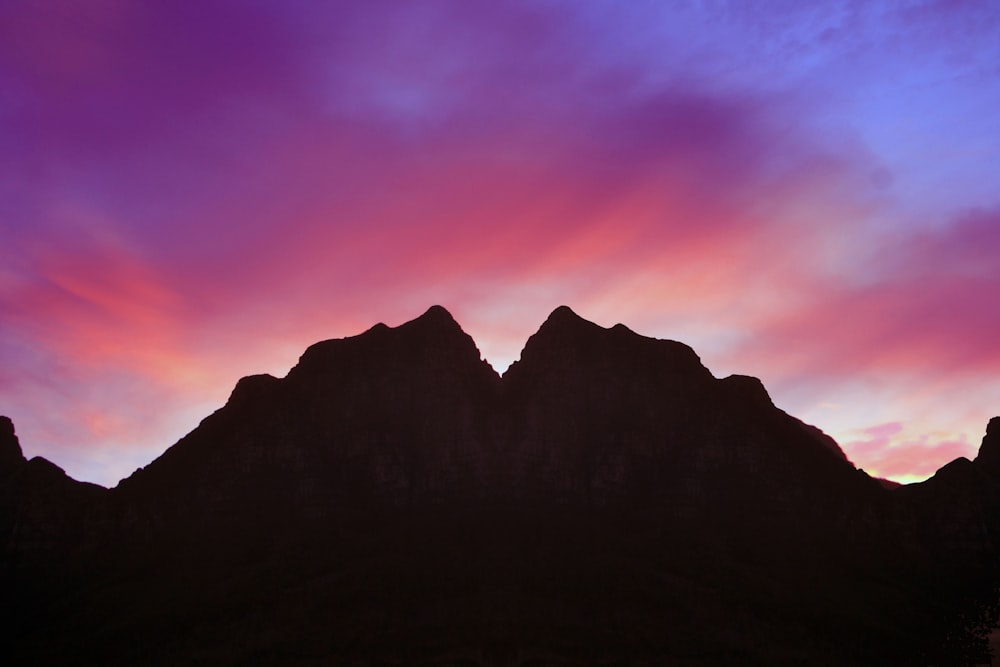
{"x":190,"y":194}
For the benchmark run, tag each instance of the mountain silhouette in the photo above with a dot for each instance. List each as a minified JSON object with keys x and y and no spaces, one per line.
{"x":393,"y":500}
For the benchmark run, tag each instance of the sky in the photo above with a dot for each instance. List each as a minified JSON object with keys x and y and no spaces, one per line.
{"x":191,"y":192}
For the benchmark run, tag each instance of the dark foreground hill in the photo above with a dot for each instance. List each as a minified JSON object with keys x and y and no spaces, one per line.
{"x":394,"y":501}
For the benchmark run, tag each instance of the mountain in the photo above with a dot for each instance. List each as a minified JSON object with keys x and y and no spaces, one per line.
{"x":393,"y":500}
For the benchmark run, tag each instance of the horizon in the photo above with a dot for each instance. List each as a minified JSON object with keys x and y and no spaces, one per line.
{"x":803,"y":194}
{"x":500,"y":371}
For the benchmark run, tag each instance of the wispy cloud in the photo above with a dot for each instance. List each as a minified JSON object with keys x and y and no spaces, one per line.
{"x":192,"y":193}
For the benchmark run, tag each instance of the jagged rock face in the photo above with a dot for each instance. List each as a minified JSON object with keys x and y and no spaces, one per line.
{"x":10,"y":449}
{"x":393,"y":499}
{"x":413,"y":415}
{"x":44,"y":515}
{"x":597,"y":415}
{"x":392,"y":416}
{"x":989,"y":451}
{"x":579,"y":397}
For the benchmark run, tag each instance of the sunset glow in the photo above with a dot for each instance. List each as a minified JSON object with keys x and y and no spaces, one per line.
{"x":193,"y":192}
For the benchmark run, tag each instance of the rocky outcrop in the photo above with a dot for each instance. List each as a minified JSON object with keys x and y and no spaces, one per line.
{"x":11,"y":457}
{"x":989,"y":451}
{"x":390,"y":417}
{"x":40,"y":506}
{"x":392,"y":499}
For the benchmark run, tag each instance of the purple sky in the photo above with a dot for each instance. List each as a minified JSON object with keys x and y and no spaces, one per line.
{"x":805,"y":192}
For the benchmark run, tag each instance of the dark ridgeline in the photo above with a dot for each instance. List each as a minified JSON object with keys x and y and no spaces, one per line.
{"x":394,"y":501}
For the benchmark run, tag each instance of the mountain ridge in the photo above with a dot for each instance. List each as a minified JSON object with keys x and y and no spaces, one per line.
{"x":393,"y":498}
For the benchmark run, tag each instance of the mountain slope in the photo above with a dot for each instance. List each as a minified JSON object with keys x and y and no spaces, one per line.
{"x":393,"y":500}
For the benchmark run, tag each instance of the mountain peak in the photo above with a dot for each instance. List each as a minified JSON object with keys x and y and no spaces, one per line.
{"x":435,"y":317}
{"x":437,"y":312}
{"x":10,"y":449}
{"x":565,"y":316}
{"x":565,"y":320}
{"x":564,"y":324}
{"x":433,"y":337}
{"x":569,"y":341}
{"x":989,"y":451}
{"x":563,"y":311}
{"x":6,"y":426}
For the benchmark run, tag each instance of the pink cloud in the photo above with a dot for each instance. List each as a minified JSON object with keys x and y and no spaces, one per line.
{"x":920,"y":306}
{"x":192,"y":194}
{"x":885,"y":451}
